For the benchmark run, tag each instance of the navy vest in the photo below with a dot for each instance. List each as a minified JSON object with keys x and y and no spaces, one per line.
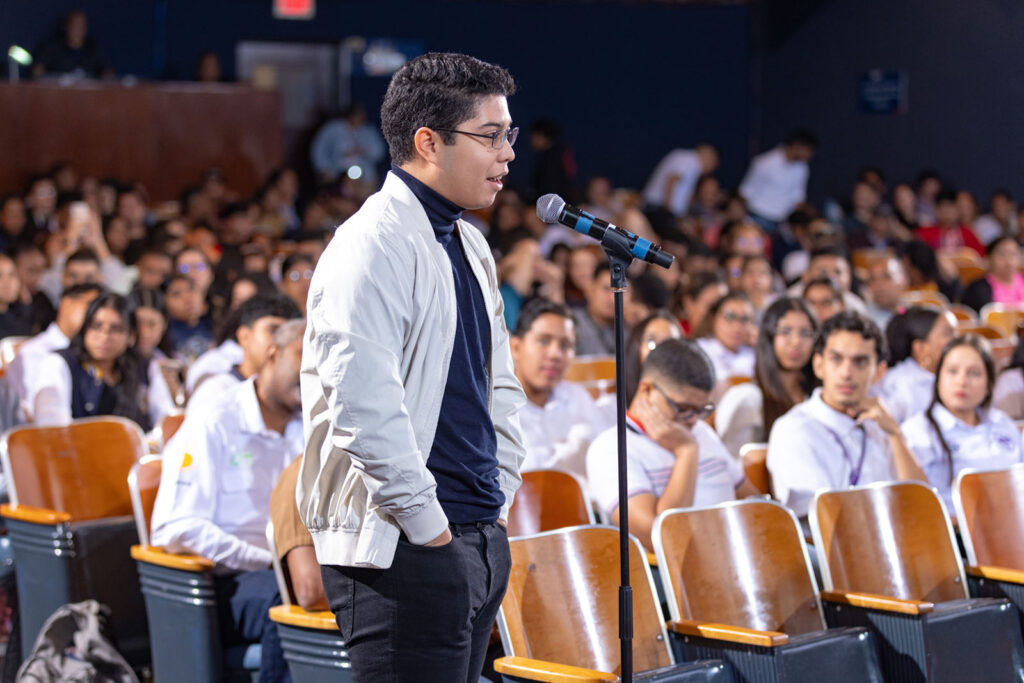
{"x":90,"y":396}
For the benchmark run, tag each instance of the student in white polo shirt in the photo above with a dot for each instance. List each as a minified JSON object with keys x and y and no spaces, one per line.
{"x":840,"y":436}
{"x":675,"y":459}
{"x":958,"y":429}
{"x":214,"y":497}
{"x":560,"y":418}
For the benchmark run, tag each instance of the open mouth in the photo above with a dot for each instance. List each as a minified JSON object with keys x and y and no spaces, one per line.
{"x":496,"y":180}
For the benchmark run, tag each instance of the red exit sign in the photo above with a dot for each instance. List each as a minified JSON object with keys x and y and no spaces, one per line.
{"x":294,"y":9}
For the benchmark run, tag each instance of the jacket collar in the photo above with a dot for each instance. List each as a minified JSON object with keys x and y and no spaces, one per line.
{"x":838,"y":422}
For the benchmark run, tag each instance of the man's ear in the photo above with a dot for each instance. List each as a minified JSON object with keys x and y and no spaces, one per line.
{"x":880,"y":372}
{"x":244,"y":335}
{"x":818,"y":365}
{"x":428,"y":144}
{"x":515,"y":344}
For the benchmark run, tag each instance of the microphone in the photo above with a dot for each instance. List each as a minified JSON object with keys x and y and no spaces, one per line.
{"x":552,"y":209}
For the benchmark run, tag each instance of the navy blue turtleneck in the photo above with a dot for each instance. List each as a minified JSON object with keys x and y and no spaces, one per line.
{"x":463,"y":458}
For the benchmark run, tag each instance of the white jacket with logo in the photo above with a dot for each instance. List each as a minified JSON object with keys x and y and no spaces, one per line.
{"x":381,"y":319}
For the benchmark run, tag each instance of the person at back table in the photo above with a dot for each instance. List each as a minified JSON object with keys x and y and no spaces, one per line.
{"x":214,"y":496}
{"x":560,"y":418}
{"x":675,"y":459}
{"x":840,"y":436}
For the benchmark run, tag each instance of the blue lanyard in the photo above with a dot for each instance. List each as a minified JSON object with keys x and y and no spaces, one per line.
{"x":855,"y":470}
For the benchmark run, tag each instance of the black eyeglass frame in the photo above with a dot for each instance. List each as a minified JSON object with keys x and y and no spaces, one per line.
{"x":509,"y":135}
{"x":685,"y":411}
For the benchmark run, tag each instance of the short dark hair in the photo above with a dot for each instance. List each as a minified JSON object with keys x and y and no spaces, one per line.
{"x":85,"y":254}
{"x":81,"y":289}
{"x":650,"y":290}
{"x":292,"y":259}
{"x":436,"y":90}
{"x":851,"y":321}
{"x":946,"y":194}
{"x":802,"y":136}
{"x":823,"y":282}
{"x":830,"y":250}
{"x":535,"y":308}
{"x":266,"y":304}
{"x":681,"y":362}
{"x":991,"y":246}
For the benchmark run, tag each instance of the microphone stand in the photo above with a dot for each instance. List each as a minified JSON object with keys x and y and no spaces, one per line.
{"x":620,"y":257}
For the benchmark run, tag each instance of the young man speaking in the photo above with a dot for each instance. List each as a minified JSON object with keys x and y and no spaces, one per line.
{"x":410,"y":403}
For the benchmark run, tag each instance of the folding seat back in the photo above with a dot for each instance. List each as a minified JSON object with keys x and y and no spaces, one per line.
{"x":1003,"y":317}
{"x":143,"y":483}
{"x":755,"y":466}
{"x":549,"y":499}
{"x":740,"y":587}
{"x":70,"y":523}
{"x":990,"y":509}
{"x":891,"y":539}
{"x":595,"y":373}
{"x":741,"y":563}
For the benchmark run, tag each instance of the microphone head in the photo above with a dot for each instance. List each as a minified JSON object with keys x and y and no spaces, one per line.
{"x":549,"y":208}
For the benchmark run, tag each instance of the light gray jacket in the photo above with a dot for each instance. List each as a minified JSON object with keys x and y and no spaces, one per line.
{"x":381,"y":319}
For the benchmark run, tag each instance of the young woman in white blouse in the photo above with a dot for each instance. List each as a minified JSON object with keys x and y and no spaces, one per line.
{"x":725,"y":335}
{"x":782,"y":376}
{"x":958,"y":429}
{"x":1008,"y":394}
{"x":916,"y":339}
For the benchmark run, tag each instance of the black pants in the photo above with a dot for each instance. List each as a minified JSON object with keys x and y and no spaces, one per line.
{"x":428,"y":616}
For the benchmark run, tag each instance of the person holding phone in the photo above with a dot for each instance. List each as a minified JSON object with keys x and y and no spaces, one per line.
{"x":840,"y":436}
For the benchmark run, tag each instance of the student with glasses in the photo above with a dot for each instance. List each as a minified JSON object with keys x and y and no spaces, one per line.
{"x":413,"y":444}
{"x":675,"y":459}
{"x":840,"y":436}
{"x":99,"y":373}
{"x":726,"y":334}
{"x":782,"y":376}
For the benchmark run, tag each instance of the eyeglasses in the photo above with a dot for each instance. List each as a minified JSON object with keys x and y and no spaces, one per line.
{"x":803,"y":332}
{"x":685,"y":411}
{"x":296,"y":275}
{"x":498,"y":138}
{"x":731,"y":317}
{"x":184,"y":268}
{"x":113,"y":329}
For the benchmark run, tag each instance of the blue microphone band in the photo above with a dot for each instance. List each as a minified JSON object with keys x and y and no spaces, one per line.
{"x":640,"y":248}
{"x":584,"y":223}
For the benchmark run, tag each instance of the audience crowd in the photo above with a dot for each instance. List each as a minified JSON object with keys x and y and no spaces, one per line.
{"x":836,"y":337}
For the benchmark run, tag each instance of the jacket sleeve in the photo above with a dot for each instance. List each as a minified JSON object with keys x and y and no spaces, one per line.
{"x":358,"y":321}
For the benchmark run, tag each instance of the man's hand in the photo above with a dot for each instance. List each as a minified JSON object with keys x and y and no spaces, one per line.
{"x":444,"y":539}
{"x":872,"y":409}
{"x":666,"y":432}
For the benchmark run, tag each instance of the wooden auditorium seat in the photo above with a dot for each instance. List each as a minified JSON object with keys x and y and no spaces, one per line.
{"x":755,"y":466}
{"x":595,"y":373}
{"x":1002,"y":317}
{"x":559,"y":618}
{"x":311,"y":641}
{"x":740,"y":586}
{"x":965,"y":315}
{"x":990,"y":508}
{"x":889,"y":562}
{"x":70,"y":523}
{"x":549,"y":499}
{"x":987,"y":331}
{"x":180,"y":599}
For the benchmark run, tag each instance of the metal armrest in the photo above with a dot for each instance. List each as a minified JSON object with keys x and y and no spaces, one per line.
{"x":549,"y":672}
{"x":732,"y":634}
{"x":879,"y":602}
{"x":158,"y":556}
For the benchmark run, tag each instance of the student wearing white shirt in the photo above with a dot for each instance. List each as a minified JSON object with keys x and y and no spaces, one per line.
{"x":1008,"y":393}
{"x":724,"y":336}
{"x":832,"y":263}
{"x":782,"y":376}
{"x":916,"y":338}
{"x":958,"y":429}
{"x":560,"y":418}
{"x":672,"y":183}
{"x":675,"y":459}
{"x":214,"y":496}
{"x":97,"y":374}
{"x":777,"y":180}
{"x":22,"y":371}
{"x":840,"y":436}
{"x":257,"y":319}
{"x":216,"y":361}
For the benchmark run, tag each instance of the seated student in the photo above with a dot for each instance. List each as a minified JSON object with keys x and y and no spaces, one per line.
{"x":782,"y":376}
{"x":15,"y":316}
{"x":824,"y":298}
{"x":258,"y":319}
{"x":559,"y":419}
{"x":97,"y":374}
{"x":295,"y":544}
{"x":189,"y":331}
{"x":833,"y":263}
{"x":958,"y":429}
{"x":31,"y":263}
{"x":1008,"y":393}
{"x":23,"y":369}
{"x":840,"y":436}
{"x":644,"y":338}
{"x":595,"y":329}
{"x":725,"y":336}
{"x":948,"y":231}
{"x":704,"y":289}
{"x":1004,"y":284}
{"x":220,"y":359}
{"x":149,"y":325}
{"x":214,"y":497}
{"x":675,"y":459}
{"x":916,"y":338}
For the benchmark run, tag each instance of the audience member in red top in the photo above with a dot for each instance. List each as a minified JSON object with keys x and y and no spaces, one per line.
{"x":948,"y":232}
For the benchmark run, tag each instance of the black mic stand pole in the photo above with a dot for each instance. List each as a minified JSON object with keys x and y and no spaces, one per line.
{"x":620,"y":258}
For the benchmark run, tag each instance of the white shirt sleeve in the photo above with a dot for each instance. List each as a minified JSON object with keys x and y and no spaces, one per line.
{"x":183,"y":516}
{"x":161,"y":403}
{"x":1008,"y":394}
{"x":796,"y":471}
{"x":603,"y":469}
{"x":49,"y":392}
{"x":923,"y":443}
{"x":738,"y":417}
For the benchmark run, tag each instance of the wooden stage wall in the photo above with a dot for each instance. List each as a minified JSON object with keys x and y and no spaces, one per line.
{"x":164,"y":135}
